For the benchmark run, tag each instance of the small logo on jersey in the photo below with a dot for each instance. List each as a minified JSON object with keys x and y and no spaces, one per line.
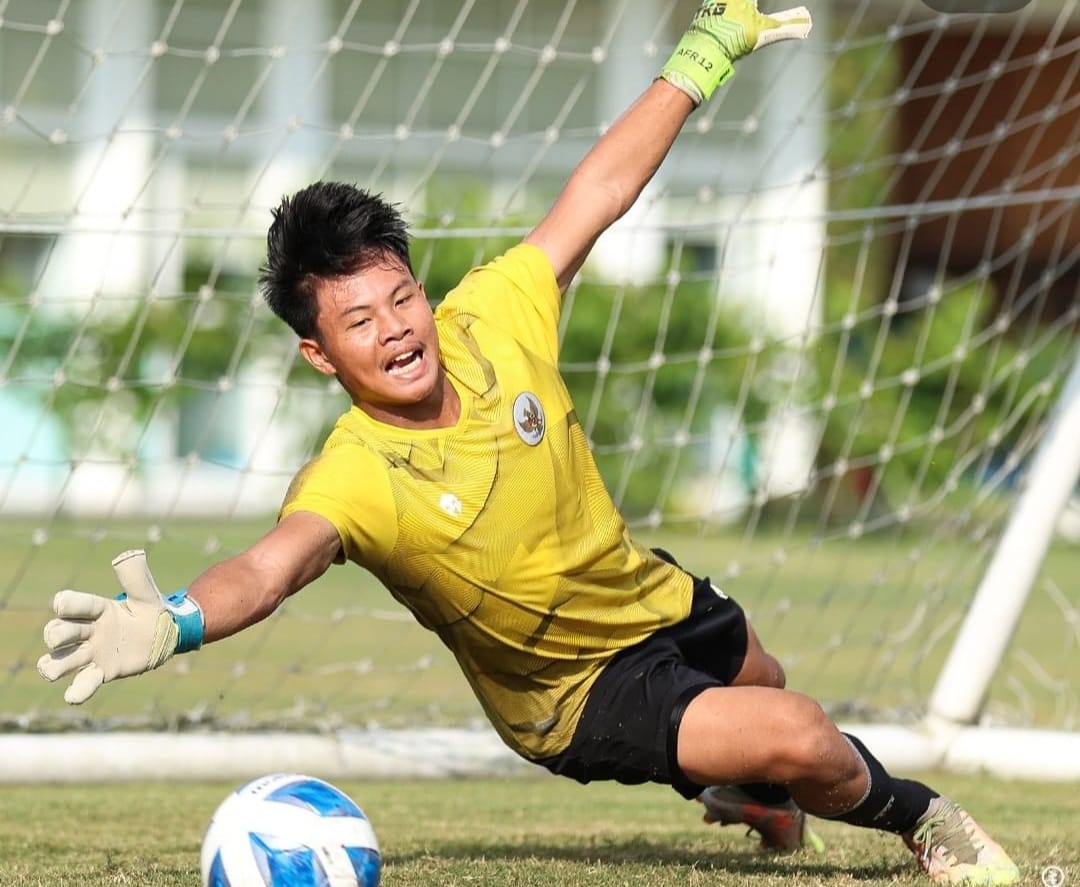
{"x":529,"y":418}
{"x":451,"y":504}
{"x":719,"y":593}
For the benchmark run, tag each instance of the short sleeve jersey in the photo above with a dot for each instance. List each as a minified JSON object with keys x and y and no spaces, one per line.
{"x":498,"y":533}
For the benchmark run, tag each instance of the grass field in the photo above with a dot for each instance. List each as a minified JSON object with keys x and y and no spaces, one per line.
{"x":868,"y":620}
{"x":522,"y":831}
{"x":541,"y":832}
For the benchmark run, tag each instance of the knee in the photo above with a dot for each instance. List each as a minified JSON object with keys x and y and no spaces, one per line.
{"x":816,"y":731}
{"x":817,"y":749}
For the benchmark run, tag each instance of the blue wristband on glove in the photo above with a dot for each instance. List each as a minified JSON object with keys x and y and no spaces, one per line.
{"x":188,"y":618}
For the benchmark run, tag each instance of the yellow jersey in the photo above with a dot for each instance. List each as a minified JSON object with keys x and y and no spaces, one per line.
{"x":498,"y":533}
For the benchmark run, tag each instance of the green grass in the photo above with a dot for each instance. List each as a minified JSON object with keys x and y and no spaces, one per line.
{"x":868,"y":620}
{"x":540,"y":831}
{"x":522,"y":831}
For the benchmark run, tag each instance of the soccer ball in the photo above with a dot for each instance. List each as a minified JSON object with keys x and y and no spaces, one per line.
{"x":289,"y":830}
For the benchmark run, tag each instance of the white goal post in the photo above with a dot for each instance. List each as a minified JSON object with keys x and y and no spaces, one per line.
{"x":831,"y":359}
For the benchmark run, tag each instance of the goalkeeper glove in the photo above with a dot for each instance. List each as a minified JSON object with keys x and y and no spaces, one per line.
{"x":722,"y":33}
{"x":102,"y":639}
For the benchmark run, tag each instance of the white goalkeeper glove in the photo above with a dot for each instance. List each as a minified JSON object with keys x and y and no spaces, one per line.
{"x":720,"y":34}
{"x":102,"y":639}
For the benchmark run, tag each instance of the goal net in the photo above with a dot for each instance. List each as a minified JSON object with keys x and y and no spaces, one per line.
{"x":829,"y":359}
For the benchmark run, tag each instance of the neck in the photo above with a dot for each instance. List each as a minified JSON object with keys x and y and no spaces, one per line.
{"x":441,"y":409}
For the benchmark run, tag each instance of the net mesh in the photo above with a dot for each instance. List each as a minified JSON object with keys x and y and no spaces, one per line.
{"x":814,"y":361}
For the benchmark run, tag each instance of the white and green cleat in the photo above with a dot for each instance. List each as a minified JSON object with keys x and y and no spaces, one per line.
{"x":952,"y":849}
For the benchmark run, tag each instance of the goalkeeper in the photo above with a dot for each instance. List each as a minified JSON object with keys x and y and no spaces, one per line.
{"x":462,"y":479}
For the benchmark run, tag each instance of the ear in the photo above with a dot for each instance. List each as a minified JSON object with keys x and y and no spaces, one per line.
{"x":313,"y":353}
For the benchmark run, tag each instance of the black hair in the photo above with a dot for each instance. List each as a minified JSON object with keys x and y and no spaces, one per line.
{"x":326,"y":230}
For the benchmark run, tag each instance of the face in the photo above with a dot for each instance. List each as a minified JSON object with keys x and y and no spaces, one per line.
{"x":377,"y":335}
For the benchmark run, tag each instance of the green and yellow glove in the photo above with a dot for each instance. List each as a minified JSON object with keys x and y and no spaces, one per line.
{"x":722,"y":33}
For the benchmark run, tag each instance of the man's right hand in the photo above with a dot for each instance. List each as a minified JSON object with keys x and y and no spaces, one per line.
{"x":101,"y":639}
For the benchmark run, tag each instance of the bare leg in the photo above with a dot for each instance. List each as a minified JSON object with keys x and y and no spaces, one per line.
{"x":766,"y":739}
{"x":745,"y":734}
{"x":759,"y":669}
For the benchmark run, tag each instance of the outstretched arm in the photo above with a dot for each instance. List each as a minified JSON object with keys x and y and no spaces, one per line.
{"x":610,"y":178}
{"x":619,"y":166}
{"x":99,"y":639}
{"x":245,"y":589}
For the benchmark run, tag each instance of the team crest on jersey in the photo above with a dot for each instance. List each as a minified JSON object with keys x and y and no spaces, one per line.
{"x":529,"y":418}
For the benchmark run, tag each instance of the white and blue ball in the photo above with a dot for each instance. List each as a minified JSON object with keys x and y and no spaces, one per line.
{"x":290,"y":830}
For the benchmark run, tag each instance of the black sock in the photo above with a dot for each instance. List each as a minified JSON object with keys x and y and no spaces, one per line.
{"x":768,"y":793}
{"x":890,"y":804}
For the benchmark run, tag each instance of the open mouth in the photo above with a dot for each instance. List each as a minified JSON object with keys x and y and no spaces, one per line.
{"x":405,"y":362}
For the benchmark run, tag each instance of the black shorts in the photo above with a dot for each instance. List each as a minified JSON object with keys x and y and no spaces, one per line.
{"x":629,"y":727}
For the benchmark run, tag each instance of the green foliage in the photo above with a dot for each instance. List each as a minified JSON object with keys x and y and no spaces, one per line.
{"x":673,"y":357}
{"x":129,"y":359}
{"x":441,"y":251}
{"x":940,"y":392}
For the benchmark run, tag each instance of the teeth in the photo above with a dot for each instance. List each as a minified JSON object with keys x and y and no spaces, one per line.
{"x":403,"y":363}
